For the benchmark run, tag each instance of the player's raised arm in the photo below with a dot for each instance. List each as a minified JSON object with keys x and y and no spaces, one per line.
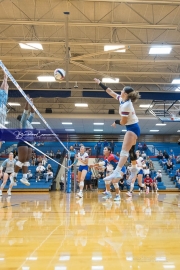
{"x":107,"y":89}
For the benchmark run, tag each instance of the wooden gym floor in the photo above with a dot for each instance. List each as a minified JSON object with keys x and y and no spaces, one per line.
{"x":56,"y":231}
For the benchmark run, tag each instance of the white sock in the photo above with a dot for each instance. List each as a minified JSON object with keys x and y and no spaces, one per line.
{"x":25,"y":175}
{"x":118,"y":169}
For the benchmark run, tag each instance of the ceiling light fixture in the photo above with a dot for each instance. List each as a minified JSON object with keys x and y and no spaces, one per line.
{"x":110,"y":80}
{"x":81,"y":105}
{"x":66,"y":123}
{"x":115,"y":47}
{"x":160,"y":124}
{"x":145,"y":106}
{"x":70,"y":129}
{"x":46,"y":79}
{"x":160,"y":50}
{"x":98,"y":124}
{"x":14,"y":104}
{"x":31,"y":46}
{"x":35,"y":123}
{"x":98,"y":129}
{"x":154,"y":130}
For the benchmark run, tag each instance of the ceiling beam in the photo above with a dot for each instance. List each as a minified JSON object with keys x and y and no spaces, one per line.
{"x":85,"y":24}
{"x":135,"y":73}
{"x":157,"y":2}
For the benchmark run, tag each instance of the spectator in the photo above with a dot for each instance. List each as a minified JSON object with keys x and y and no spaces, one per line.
{"x":62,"y":179}
{"x":98,"y":148}
{"x":117,"y":154}
{"x":48,"y":175}
{"x":140,"y":146}
{"x":148,"y":182}
{"x":33,"y":159}
{"x":165,"y":154}
{"x":146,"y":170}
{"x":151,"y":168}
{"x":179,"y":142}
{"x":72,"y":154}
{"x":112,"y":145}
{"x":44,"y":161}
{"x":58,"y":154}
{"x":148,"y":161}
{"x":169,"y":166}
{"x":154,"y":186}
{"x":48,"y":153}
{"x":143,"y":155}
{"x":38,"y":160}
{"x":178,"y":175}
{"x":39,"y":171}
{"x":88,"y":180}
{"x":171,"y":153}
{"x":15,"y":153}
{"x":178,"y":159}
{"x":29,"y":175}
{"x":160,"y":155}
{"x":51,"y":154}
{"x":49,"y":167}
{"x":144,"y":147}
{"x":105,"y":143}
{"x":164,"y":160}
{"x":158,"y":176}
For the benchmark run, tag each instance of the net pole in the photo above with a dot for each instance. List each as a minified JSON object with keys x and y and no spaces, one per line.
{"x":29,"y":101}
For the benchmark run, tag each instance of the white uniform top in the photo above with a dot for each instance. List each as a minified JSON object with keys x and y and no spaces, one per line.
{"x":83,"y":157}
{"x":126,"y":109}
{"x":139,"y":162}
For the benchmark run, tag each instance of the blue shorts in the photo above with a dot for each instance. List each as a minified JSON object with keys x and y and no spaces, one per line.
{"x":83,"y":167}
{"x":134,"y":128}
{"x":140,"y":172}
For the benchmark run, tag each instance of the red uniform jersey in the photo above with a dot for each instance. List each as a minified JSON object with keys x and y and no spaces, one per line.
{"x":148,"y":181}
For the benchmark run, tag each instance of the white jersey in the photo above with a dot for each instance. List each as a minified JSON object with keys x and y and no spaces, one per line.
{"x":9,"y":165}
{"x":139,"y":162}
{"x":83,"y":157}
{"x":126,"y":109}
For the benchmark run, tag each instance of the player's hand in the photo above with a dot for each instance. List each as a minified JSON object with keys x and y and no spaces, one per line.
{"x":97,"y":81}
{"x":113,"y":125}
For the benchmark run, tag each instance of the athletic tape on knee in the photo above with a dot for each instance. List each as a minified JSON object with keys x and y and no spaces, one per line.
{"x":81,"y":184}
{"x":107,"y":182}
{"x":116,"y":185}
{"x":124,"y":153}
{"x":19,"y":164}
{"x":26,"y":164}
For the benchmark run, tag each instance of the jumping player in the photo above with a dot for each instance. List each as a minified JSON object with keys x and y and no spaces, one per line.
{"x":82,"y":158}
{"x":8,"y":164}
{"x":130,"y":120}
{"x":3,"y":101}
{"x":24,"y":150}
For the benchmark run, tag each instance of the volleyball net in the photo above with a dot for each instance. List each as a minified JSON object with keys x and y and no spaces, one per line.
{"x":41,"y":133}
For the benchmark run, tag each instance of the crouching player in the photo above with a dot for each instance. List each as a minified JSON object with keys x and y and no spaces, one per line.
{"x":148,"y":182}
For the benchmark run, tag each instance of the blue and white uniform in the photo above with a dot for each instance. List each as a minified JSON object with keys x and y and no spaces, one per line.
{"x":8,"y":165}
{"x":3,"y":102}
{"x":126,"y":109}
{"x":111,"y":163}
{"x":83,"y":157}
{"x":139,"y":165}
{"x":25,"y":123}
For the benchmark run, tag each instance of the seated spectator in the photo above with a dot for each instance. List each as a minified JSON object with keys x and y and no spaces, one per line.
{"x":165,"y":154}
{"x":29,"y":175}
{"x":148,"y":183}
{"x":49,"y":167}
{"x":143,"y":155}
{"x":144,"y":147}
{"x":33,"y":159}
{"x":48,"y":175}
{"x":140,"y":146}
{"x":178,"y":159}
{"x":146,"y":170}
{"x":62,"y":179}
{"x":39,"y":171}
{"x":72,"y":154}
{"x":169,"y":166}
{"x":158,"y":176}
{"x":151,"y":168}
{"x":164,"y":161}
{"x":160,"y":155}
{"x":58,"y":154}
{"x":148,"y":161}
{"x":51,"y":154}
{"x":44,"y":160}
{"x":171,"y":153}
{"x":38,"y":160}
{"x":177,"y":174}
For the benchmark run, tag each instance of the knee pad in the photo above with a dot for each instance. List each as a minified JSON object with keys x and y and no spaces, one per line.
{"x":116,"y":185}
{"x":81,"y":184}
{"x":132,"y":153}
{"x":107,"y":182}
{"x":19,"y":164}
{"x":2,"y":185}
{"x":124,"y":153}
{"x":132,"y":185}
{"x":26,"y":164}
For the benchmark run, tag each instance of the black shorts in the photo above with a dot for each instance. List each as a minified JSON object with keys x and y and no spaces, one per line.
{"x":87,"y":182}
{"x":21,"y":143}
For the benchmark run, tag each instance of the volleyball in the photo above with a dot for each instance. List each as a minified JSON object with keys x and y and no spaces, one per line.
{"x":59,"y":74}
